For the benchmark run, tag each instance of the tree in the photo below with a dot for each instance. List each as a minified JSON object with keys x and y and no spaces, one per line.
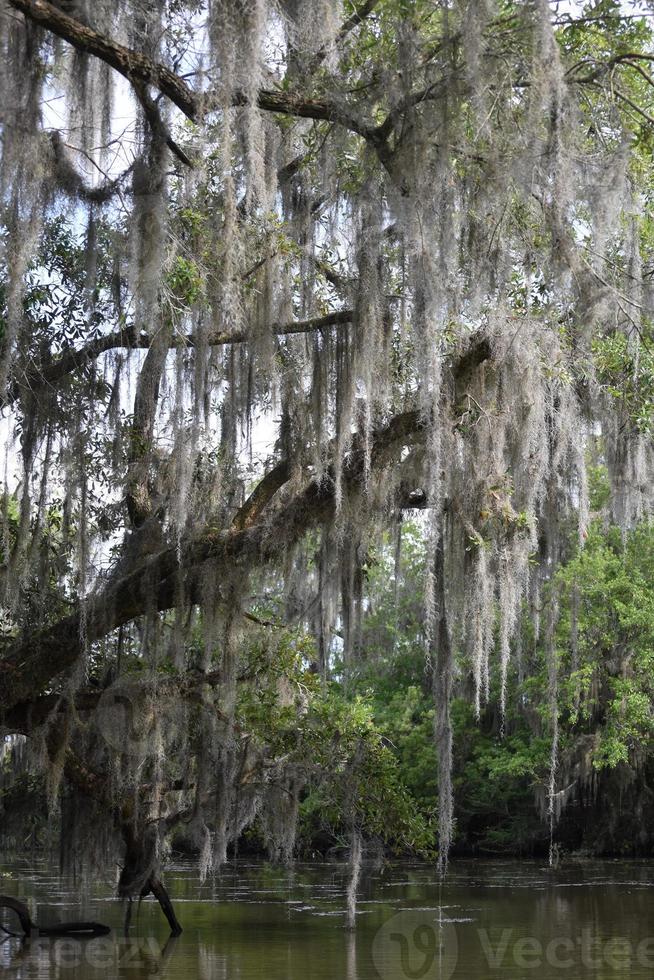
{"x":410,"y":239}
{"x":502,"y":765}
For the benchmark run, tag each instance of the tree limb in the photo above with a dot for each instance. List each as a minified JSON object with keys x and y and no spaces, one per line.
{"x":37,"y":378}
{"x":28,"y":667}
{"x":31,"y":664}
{"x":264,"y":491}
{"x":139,"y":69}
{"x":70,"y":181}
{"x":157,"y":124}
{"x":134,"y":66}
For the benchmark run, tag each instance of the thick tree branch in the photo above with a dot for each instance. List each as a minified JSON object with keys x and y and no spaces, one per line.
{"x":141,"y":71}
{"x":35,"y":379}
{"x":292,"y":104}
{"x":27,"y":717}
{"x":146,"y":400}
{"x":29,"y":666}
{"x":353,"y":21}
{"x":133,"y":65}
{"x":249,"y":512}
{"x":32,"y":664}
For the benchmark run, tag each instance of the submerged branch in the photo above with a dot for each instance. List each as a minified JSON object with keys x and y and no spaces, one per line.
{"x":73,"y":930}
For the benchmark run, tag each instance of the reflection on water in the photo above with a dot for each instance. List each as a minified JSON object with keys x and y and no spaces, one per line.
{"x":487,"y":919}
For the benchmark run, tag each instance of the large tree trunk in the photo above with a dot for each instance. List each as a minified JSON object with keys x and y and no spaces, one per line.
{"x":140,"y":874}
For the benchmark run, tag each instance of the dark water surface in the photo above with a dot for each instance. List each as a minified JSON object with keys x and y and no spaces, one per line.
{"x":255,"y":922}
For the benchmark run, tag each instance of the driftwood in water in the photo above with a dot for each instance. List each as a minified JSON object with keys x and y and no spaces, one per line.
{"x":80,"y":930}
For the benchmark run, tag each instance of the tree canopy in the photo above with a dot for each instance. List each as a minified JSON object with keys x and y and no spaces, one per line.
{"x":274,"y":273}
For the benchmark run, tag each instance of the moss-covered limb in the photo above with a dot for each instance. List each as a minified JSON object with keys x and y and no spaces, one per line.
{"x":356,"y":18}
{"x":140,"y":70}
{"x":27,"y":717}
{"x":140,"y":505}
{"x":249,"y":512}
{"x":157,"y":125}
{"x":69,"y":179}
{"x":30,"y":665}
{"x":26,"y":669}
{"x":131,"y":338}
{"x":133,"y":65}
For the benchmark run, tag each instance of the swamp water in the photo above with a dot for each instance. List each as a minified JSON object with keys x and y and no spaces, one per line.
{"x":255,"y":922}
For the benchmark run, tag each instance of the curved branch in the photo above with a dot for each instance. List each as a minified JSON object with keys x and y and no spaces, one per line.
{"x":28,"y":667}
{"x":32,"y":663}
{"x":262,"y":494}
{"x":134,"y":66}
{"x":70,"y":180}
{"x":140,"y":70}
{"x":74,"y":930}
{"x":130,"y":338}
